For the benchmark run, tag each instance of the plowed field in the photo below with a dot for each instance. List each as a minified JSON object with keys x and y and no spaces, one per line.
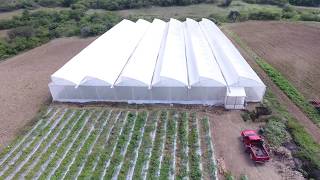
{"x":292,"y":48}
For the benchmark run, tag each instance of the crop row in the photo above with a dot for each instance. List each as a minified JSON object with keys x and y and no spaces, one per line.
{"x":208,"y":162}
{"x":135,"y":143}
{"x":182,"y":167}
{"x":44,"y":146}
{"x":97,"y":143}
{"x":12,"y":151}
{"x":51,"y":150}
{"x":95,"y":153}
{"x":144,"y":153}
{"x":50,"y":166}
{"x":121,"y":147}
{"x":7,"y":152}
{"x":108,"y":150}
{"x":194,"y":149}
{"x":154,"y":164}
{"x":82,"y":154}
{"x":33,"y":145}
{"x":168,"y":163}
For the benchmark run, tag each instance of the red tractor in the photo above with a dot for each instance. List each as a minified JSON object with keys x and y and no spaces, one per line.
{"x":254,"y":145}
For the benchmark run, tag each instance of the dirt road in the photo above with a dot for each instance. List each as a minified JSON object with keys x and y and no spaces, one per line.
{"x":226,"y":129}
{"x":24,"y":83}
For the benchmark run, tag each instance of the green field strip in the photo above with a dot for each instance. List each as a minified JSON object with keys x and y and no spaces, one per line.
{"x":44,"y":146}
{"x":182,"y":163}
{"x":144,"y":152}
{"x":16,"y":148}
{"x":194,"y":149}
{"x":121,"y":147}
{"x":156,"y":155}
{"x":36,"y":142}
{"x":8,"y":151}
{"x":81,"y":158}
{"x":67,"y":162}
{"x":130,"y":157}
{"x":101,"y":165}
{"x":208,"y":162}
{"x":50,"y":167}
{"x":49,"y":153}
{"x":168,"y":162}
{"x":88,"y":168}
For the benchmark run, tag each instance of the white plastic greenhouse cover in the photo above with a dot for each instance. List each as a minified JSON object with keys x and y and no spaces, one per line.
{"x":140,"y":68}
{"x":231,"y":61}
{"x":171,"y":70}
{"x":202,"y":66}
{"x":175,"y":62}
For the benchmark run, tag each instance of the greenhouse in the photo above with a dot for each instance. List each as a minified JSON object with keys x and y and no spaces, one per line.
{"x":160,"y":62}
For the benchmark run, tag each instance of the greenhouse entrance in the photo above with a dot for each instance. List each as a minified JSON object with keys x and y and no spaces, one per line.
{"x":235,"y":98}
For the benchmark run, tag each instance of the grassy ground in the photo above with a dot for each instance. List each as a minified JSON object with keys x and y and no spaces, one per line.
{"x":196,"y":11}
{"x":9,"y":15}
{"x":111,"y":143}
{"x":193,"y":11}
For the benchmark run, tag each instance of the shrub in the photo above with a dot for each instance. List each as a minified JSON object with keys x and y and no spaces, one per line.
{"x":229,"y":176}
{"x":307,"y":16}
{"x":235,"y":16}
{"x":315,"y":3}
{"x":246,"y":116}
{"x":226,"y":3}
{"x":309,"y":151}
{"x":244,"y":177}
{"x":275,"y":131}
{"x":50,"y":3}
{"x":5,"y":50}
{"x":22,"y":43}
{"x":32,"y":29}
{"x":264,"y":14}
{"x":217,"y":18}
{"x":24,"y":31}
{"x":272,"y":2}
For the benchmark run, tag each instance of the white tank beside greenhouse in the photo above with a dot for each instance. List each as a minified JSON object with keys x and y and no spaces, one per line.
{"x":160,"y":62}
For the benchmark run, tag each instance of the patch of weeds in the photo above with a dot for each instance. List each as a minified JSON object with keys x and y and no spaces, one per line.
{"x":228,"y":176}
{"x":275,"y":131}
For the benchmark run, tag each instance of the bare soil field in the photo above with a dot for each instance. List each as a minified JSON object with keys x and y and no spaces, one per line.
{"x":292,"y":108}
{"x":292,"y":48}
{"x":24,"y":83}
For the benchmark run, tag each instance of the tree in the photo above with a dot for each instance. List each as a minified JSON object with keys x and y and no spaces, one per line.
{"x":234,"y":16}
{"x":226,"y":3}
{"x":25,"y":31}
